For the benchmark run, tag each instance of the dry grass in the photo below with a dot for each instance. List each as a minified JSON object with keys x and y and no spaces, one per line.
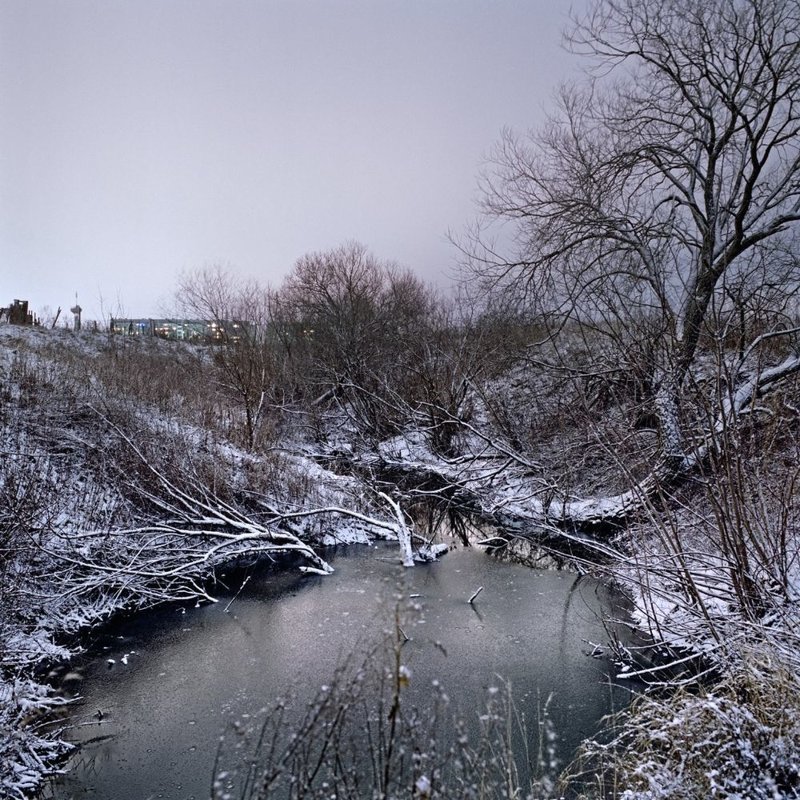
{"x":737,"y":739}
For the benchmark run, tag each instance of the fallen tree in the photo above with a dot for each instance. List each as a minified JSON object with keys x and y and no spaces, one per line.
{"x":493,"y":484}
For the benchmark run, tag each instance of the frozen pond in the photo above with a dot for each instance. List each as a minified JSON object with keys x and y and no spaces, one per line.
{"x":168,"y":682}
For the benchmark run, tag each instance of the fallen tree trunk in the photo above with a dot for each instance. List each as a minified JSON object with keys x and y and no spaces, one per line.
{"x":574,"y":527}
{"x":187,"y":532}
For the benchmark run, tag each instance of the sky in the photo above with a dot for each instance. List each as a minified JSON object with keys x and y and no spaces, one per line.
{"x":142,"y":139}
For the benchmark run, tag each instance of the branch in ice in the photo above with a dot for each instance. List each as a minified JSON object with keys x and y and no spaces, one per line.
{"x":403,"y":533}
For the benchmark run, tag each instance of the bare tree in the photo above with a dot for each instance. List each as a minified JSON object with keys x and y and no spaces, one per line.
{"x":246,"y":362}
{"x":659,"y":203}
{"x":351,"y":323}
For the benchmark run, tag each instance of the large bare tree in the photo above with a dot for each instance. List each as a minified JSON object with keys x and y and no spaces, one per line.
{"x":659,"y":203}
{"x":356,"y":326}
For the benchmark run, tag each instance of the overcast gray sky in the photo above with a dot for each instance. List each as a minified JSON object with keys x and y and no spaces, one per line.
{"x":141,"y":138}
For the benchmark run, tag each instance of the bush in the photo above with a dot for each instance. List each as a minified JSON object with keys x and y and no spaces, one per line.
{"x":737,"y":739}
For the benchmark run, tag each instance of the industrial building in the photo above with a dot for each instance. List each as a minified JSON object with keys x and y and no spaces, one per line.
{"x":199,"y":331}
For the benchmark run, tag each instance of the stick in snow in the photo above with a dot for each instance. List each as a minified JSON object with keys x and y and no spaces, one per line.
{"x":477,"y":592}
{"x":403,"y":533}
{"x":244,"y":583}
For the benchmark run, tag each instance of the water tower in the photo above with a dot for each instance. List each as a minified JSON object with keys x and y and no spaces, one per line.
{"x":76,"y":310}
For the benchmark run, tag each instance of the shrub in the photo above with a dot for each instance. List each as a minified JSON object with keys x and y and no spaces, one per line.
{"x":737,"y":739}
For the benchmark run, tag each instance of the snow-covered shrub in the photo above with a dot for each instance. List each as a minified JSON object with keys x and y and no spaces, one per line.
{"x":738,"y":739}
{"x":25,"y":755}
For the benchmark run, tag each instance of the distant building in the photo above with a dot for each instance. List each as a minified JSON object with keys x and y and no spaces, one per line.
{"x":76,"y":311}
{"x":17,"y":314}
{"x":199,"y":331}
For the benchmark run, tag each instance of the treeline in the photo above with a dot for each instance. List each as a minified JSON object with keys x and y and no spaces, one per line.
{"x":347,"y":329}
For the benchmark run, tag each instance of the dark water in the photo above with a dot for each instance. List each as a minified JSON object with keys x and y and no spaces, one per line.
{"x":191,"y":671}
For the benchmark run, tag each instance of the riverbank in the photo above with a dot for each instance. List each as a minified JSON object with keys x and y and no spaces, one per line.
{"x":120,"y":494}
{"x":112,"y":507}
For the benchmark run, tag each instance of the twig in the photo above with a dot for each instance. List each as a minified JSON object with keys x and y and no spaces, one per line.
{"x":477,"y":592}
{"x":244,"y":583}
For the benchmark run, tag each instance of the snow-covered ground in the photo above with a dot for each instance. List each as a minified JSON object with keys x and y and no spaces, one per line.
{"x":122,"y":487}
